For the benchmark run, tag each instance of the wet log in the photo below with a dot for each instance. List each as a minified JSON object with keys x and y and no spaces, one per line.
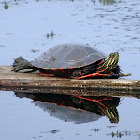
{"x":35,"y":83}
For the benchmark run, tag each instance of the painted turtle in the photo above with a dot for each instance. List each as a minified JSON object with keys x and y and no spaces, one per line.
{"x":73,"y":61}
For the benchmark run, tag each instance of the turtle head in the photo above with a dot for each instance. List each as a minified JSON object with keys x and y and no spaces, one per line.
{"x":112,"y":60}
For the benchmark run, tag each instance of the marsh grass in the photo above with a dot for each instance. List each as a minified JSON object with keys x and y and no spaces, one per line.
{"x":6,"y":5}
{"x":50,"y":35}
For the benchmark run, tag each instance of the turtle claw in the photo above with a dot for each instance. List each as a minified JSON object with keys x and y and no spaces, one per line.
{"x":118,"y":75}
{"x":124,"y":74}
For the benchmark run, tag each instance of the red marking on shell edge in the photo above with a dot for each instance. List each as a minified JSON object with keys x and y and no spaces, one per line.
{"x":69,"y":71}
{"x":45,"y":74}
{"x":53,"y":69}
{"x":61,"y":69}
{"x":71,"y":68}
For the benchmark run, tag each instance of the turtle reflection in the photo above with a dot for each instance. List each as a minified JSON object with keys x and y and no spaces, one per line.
{"x":78,"y":109}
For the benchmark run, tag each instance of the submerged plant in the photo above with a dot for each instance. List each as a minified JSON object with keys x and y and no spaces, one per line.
{"x":6,"y":5}
{"x":50,"y":35}
{"x":107,"y":2}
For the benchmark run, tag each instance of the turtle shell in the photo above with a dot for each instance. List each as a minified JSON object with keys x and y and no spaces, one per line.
{"x":68,"y":56}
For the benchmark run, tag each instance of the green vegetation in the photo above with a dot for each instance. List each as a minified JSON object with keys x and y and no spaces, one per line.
{"x":107,"y":2}
{"x":50,"y":35}
{"x":6,"y":5}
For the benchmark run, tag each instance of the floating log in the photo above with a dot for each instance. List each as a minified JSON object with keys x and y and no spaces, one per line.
{"x":35,"y":83}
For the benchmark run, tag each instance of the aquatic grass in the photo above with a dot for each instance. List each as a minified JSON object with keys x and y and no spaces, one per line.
{"x":6,"y":5}
{"x":117,"y":134}
{"x":34,"y":51}
{"x":107,"y":2}
{"x":125,"y":133}
{"x":96,"y":129}
{"x":50,"y":35}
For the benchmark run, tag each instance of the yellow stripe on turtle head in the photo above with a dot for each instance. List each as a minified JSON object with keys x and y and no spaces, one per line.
{"x":112,"y":60}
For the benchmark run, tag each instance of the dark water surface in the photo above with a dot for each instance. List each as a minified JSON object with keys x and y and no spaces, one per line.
{"x":27,"y":28}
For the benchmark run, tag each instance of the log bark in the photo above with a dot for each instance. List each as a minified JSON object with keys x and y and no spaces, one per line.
{"x":34,"y":82}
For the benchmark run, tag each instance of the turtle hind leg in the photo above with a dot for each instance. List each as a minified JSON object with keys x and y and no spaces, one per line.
{"x":20,"y":64}
{"x":76,"y":73}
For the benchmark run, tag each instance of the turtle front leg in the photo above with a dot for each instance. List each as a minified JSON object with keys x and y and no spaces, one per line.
{"x":119,"y":75}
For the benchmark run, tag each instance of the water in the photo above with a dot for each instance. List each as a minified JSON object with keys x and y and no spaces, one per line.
{"x":110,"y":27}
{"x":38,"y":117}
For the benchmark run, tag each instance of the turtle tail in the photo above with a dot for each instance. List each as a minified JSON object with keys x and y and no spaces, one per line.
{"x":21,"y":64}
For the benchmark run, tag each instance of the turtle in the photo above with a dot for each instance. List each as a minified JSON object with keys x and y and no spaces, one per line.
{"x":73,"y":61}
